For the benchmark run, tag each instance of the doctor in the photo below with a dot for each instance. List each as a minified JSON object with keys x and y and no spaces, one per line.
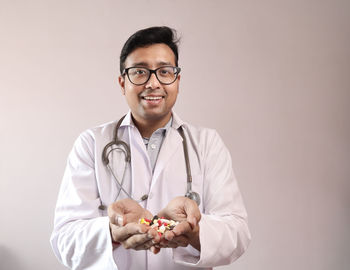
{"x":99,"y":204}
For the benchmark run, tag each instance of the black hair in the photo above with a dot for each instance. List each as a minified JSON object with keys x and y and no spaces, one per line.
{"x":147,"y":37}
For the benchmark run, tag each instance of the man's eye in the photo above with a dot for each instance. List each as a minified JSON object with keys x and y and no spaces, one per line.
{"x":165,"y":72}
{"x":140,"y":72}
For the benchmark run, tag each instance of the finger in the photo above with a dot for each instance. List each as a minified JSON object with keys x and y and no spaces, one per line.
{"x":181,"y":241}
{"x":174,"y":240}
{"x":148,"y":214}
{"x":137,"y":240}
{"x":168,"y":244}
{"x":192,"y":212}
{"x":192,"y":221}
{"x":120,"y":206}
{"x":146,"y":245}
{"x":115,"y":218}
{"x":154,"y":249}
{"x":119,"y":234}
{"x":182,"y":228}
{"x":125,"y":211}
{"x":154,"y":234}
{"x":163,"y":213}
{"x":169,"y":235}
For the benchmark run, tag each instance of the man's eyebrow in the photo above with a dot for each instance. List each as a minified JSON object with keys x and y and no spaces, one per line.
{"x":144,"y":64}
{"x":164,"y":63}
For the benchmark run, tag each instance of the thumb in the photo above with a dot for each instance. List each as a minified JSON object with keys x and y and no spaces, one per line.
{"x":116,"y":214}
{"x":192,"y":212}
{"x":162,"y":213}
{"x":119,"y":220}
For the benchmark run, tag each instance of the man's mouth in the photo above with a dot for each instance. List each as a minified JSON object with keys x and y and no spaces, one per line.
{"x":152,"y":98}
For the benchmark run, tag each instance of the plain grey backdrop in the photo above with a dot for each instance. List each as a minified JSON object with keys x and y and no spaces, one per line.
{"x":271,"y":76}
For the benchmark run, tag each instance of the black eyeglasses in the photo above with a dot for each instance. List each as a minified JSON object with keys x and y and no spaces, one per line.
{"x":141,"y":75}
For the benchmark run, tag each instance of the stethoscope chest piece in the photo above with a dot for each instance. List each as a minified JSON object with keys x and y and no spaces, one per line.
{"x":194,"y":196}
{"x":102,"y":207}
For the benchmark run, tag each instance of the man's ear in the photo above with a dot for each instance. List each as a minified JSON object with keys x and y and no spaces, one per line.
{"x":121,"y":80}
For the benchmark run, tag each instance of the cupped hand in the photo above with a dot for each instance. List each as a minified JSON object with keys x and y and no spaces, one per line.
{"x":185,"y":211}
{"x":124,"y":216}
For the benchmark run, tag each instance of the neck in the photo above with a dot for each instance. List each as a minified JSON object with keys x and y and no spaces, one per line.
{"x":148,"y":126}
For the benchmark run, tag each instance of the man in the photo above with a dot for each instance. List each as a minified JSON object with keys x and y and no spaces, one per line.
{"x":168,"y":159}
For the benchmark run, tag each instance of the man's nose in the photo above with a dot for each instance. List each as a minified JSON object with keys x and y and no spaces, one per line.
{"x":153,"y":82}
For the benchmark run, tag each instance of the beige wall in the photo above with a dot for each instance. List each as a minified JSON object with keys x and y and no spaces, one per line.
{"x":271,"y":76}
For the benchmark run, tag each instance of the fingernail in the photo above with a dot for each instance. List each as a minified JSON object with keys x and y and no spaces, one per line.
{"x":119,"y":220}
{"x":153,"y":249}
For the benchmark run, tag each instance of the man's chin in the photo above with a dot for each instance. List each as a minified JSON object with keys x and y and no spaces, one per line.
{"x":155,"y":116}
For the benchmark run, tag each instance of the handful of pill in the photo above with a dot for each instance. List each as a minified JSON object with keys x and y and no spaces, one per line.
{"x":160,"y":224}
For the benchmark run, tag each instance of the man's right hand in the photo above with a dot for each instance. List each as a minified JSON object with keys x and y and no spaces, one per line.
{"x":124,"y":216}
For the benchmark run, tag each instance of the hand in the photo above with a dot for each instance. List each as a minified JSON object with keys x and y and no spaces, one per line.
{"x":124,"y":216}
{"x":185,"y":211}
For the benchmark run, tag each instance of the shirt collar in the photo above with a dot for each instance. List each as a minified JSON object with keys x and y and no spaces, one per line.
{"x":177,"y":122}
{"x":174,"y":122}
{"x":127,"y":121}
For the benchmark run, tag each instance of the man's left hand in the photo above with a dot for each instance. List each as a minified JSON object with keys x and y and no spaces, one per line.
{"x":185,"y":211}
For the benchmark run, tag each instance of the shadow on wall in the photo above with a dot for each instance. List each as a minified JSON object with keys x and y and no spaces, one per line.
{"x":8,"y":259}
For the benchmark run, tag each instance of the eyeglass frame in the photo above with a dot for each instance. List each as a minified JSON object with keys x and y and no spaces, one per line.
{"x":152,"y":71}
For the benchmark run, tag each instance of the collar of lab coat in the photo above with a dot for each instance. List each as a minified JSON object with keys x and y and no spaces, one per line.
{"x":127,"y":121}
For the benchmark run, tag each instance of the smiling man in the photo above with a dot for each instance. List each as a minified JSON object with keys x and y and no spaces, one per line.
{"x":151,"y":86}
{"x":128,"y":180}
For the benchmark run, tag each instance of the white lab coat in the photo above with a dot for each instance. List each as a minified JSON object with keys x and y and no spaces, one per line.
{"x":81,"y":237}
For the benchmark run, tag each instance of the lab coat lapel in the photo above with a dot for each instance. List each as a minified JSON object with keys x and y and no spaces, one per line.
{"x":141,"y":168}
{"x":172,"y":142}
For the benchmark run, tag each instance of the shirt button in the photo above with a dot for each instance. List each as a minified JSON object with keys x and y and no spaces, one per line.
{"x":153,"y":146}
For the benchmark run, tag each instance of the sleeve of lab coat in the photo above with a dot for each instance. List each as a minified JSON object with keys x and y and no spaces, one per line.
{"x":224,"y":233}
{"x":81,"y":237}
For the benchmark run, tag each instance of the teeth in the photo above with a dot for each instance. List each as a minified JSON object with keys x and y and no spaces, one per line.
{"x":152,"y":98}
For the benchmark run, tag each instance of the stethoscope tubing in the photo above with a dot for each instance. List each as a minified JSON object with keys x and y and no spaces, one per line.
{"x":126,"y":149}
{"x":120,"y":184}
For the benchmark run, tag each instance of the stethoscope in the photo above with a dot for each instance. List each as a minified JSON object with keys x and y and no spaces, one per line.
{"x":120,"y":145}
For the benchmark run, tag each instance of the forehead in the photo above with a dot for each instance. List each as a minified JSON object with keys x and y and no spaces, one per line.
{"x":151,"y":56}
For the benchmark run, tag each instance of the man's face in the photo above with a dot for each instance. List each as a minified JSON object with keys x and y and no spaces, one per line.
{"x":151,"y":101}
